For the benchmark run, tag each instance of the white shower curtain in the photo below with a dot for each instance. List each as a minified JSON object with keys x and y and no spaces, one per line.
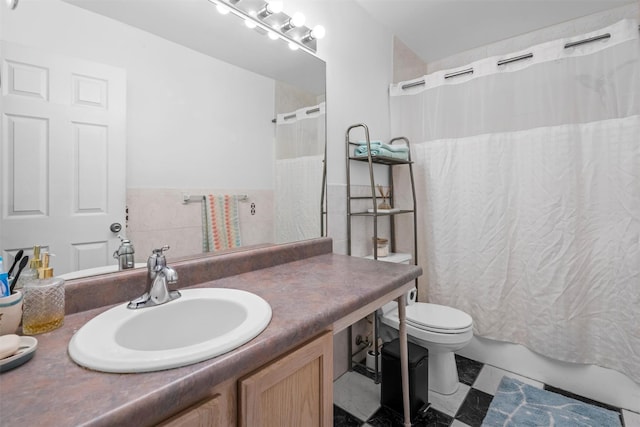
{"x":529,"y":196}
{"x":300,"y":143}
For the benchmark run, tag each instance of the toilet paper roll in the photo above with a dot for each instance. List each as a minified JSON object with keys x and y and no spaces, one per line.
{"x":412,"y":296}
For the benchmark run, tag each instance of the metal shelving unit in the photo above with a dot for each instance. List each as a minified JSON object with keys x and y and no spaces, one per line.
{"x":374,"y":214}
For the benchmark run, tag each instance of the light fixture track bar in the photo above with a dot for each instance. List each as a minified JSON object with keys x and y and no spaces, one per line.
{"x":514,"y":59}
{"x":589,"y":40}
{"x":458,"y":73}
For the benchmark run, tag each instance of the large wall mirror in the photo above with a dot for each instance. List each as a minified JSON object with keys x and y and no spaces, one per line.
{"x":128,"y":112}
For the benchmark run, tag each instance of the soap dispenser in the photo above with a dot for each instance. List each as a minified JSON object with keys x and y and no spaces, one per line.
{"x":124,"y":254}
{"x":44,"y":301}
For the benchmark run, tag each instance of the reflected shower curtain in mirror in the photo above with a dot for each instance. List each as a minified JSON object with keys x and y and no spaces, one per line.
{"x":529,"y":195}
{"x":300,"y":141}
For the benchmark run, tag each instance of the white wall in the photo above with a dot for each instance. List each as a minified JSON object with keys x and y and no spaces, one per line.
{"x":183,"y":129}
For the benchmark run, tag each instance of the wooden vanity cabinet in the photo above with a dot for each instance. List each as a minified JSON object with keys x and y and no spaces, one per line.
{"x":293,"y":390}
{"x":217,"y":411}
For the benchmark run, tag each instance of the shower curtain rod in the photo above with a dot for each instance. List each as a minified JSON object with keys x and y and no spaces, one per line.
{"x":292,"y":115}
{"x":513,"y":59}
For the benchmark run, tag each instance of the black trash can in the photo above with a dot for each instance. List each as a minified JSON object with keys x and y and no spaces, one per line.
{"x":391,"y":393}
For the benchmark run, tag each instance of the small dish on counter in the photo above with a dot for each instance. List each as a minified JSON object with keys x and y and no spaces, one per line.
{"x":25,"y":352}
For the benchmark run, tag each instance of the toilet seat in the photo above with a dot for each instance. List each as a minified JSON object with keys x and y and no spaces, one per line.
{"x":438,"y":318}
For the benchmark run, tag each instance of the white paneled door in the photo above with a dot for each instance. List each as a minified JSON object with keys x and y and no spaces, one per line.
{"x":63,"y":157}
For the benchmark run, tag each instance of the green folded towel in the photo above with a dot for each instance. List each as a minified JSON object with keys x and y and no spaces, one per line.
{"x":362,"y":148}
{"x":382,"y":152}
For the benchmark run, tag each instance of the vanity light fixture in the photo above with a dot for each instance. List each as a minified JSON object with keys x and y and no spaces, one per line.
{"x":222,"y":9}
{"x":297,"y":20}
{"x":273,"y":35}
{"x":318,"y":32}
{"x":270,"y":19}
{"x":12,"y":4}
{"x":251,"y":23}
{"x":270,"y":8}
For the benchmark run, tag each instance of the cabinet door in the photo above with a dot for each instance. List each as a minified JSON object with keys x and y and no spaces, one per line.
{"x":216,"y":411}
{"x":294,"y":390}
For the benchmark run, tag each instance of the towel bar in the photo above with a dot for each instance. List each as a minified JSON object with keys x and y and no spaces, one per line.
{"x":188,"y":198}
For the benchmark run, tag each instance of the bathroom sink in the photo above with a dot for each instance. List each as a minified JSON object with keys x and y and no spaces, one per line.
{"x":201,"y":324}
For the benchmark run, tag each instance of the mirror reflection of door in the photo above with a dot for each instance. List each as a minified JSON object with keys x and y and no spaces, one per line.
{"x":63,"y":156}
{"x":201,"y":93}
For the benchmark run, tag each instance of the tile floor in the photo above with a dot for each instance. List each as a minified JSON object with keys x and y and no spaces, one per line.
{"x":357,"y":399}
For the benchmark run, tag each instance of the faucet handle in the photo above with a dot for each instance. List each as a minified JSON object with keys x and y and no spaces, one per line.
{"x":161,"y":251}
{"x":157,"y":258}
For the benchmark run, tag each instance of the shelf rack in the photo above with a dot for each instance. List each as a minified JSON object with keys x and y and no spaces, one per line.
{"x":370,"y":161}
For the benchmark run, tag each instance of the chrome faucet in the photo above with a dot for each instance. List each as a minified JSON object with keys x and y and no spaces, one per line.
{"x":159,"y":276}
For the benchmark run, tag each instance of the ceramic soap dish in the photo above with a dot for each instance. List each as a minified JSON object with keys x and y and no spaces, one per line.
{"x":25,"y":352}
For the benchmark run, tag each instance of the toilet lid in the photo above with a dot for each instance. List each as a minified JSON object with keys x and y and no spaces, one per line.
{"x":437,"y":317}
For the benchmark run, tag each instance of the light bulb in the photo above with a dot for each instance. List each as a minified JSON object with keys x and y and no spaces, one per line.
{"x":273,"y":35}
{"x":297,"y":20}
{"x":222,"y":9}
{"x":271,"y":7}
{"x":249,"y":23}
{"x":293,"y":46}
{"x":275,"y":6}
{"x":318,"y":32}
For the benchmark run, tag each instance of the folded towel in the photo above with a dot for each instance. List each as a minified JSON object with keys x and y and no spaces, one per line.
{"x":373,"y":143}
{"x":400,"y":148}
{"x":382,"y":152}
{"x":377,"y":144}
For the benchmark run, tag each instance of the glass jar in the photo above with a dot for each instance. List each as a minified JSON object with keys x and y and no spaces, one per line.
{"x":43,"y":308}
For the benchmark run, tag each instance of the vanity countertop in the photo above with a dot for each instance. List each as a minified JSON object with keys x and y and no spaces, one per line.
{"x":307,"y":296}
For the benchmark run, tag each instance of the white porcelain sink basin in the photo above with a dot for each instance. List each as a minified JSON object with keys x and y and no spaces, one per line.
{"x":201,"y":324}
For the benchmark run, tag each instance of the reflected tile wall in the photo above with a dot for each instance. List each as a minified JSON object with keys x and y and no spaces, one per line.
{"x":157,"y":217}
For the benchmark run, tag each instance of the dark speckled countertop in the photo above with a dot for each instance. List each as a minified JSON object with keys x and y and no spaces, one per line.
{"x":309,"y":289}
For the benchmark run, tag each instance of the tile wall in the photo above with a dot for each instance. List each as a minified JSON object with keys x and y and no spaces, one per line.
{"x":157,"y":217}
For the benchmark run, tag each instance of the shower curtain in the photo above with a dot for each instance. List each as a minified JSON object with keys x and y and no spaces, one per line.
{"x":300,"y":144}
{"x":529,"y":195}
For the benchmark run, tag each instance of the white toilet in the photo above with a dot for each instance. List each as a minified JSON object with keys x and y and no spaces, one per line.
{"x":441,"y":330}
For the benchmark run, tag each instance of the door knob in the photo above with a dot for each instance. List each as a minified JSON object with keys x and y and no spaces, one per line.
{"x":115,"y":227}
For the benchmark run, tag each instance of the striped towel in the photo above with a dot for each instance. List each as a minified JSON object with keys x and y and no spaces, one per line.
{"x":220,"y":223}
